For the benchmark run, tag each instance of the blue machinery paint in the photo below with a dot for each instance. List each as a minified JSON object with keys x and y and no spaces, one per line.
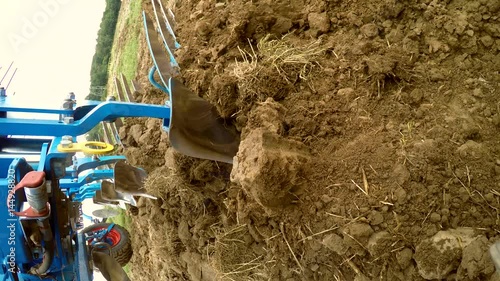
{"x":21,"y":139}
{"x":31,"y":145}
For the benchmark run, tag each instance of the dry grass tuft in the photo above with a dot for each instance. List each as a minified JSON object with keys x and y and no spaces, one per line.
{"x":168,"y":182}
{"x":273,"y":67}
{"x":233,"y":259}
{"x":165,"y":248}
{"x":160,"y":181}
{"x":248,"y":67}
{"x":164,"y":245}
{"x":288,"y":60}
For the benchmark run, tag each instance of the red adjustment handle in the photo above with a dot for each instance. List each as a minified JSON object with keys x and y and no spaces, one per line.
{"x":31,"y":179}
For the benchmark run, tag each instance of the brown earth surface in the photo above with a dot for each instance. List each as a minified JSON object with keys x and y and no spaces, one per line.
{"x":368,"y":128}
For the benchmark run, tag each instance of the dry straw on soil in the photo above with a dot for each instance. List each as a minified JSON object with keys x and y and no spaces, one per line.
{"x":271,"y":69}
{"x":167,"y":184}
{"x":233,"y":259}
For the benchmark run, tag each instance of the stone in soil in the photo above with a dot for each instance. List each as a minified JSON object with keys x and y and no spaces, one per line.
{"x":269,"y":167}
{"x":439,"y":255}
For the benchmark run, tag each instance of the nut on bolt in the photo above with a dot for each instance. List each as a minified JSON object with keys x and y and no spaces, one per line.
{"x":67,"y":141}
{"x":71,"y":96}
{"x":68,"y":104}
{"x":68,"y":120}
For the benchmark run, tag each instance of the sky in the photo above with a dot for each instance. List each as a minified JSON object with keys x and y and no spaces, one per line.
{"x":52,"y":43}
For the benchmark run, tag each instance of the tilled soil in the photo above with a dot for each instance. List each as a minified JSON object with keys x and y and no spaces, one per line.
{"x":369,"y":140}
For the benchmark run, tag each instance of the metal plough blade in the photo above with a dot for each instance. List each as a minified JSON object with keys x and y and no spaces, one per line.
{"x":130,"y":180}
{"x":128,"y":93}
{"x":169,"y":17}
{"x":195,"y":127}
{"x":165,"y":29}
{"x":166,"y":65}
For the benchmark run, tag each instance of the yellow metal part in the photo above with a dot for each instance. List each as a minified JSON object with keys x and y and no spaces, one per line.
{"x":88,"y":147}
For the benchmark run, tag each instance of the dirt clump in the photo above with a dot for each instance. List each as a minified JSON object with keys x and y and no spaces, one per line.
{"x":437,"y":256}
{"x":223,"y":93}
{"x":270,"y":168}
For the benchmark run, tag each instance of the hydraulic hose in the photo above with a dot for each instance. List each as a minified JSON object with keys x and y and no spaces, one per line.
{"x":48,"y":248}
{"x":48,"y":256}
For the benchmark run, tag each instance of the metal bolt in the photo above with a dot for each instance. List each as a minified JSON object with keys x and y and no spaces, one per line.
{"x":66,"y":143}
{"x":68,"y":120}
{"x":68,"y":104}
{"x":71,"y":96}
{"x":67,"y":137}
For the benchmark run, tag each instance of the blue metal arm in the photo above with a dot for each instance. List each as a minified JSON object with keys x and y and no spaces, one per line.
{"x":84,"y":272}
{"x":11,"y":108}
{"x":85,"y":178}
{"x":87,"y":191}
{"x":102,"y":112}
{"x":87,"y":163}
{"x":153,"y":82}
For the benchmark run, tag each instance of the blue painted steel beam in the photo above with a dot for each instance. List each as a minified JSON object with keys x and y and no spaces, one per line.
{"x":84,"y":273}
{"x":35,"y":110}
{"x":59,"y":167}
{"x":43,"y":156}
{"x":153,"y":82}
{"x":85,"y":178}
{"x":165,"y":83}
{"x":87,"y":163}
{"x":102,"y":112}
{"x":87,"y":191}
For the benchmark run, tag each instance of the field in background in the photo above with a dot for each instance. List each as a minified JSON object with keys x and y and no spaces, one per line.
{"x":121,"y":219}
{"x":124,"y":60}
{"x":125,"y":45}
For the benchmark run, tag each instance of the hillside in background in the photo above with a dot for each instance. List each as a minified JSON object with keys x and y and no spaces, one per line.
{"x":100,"y":61}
